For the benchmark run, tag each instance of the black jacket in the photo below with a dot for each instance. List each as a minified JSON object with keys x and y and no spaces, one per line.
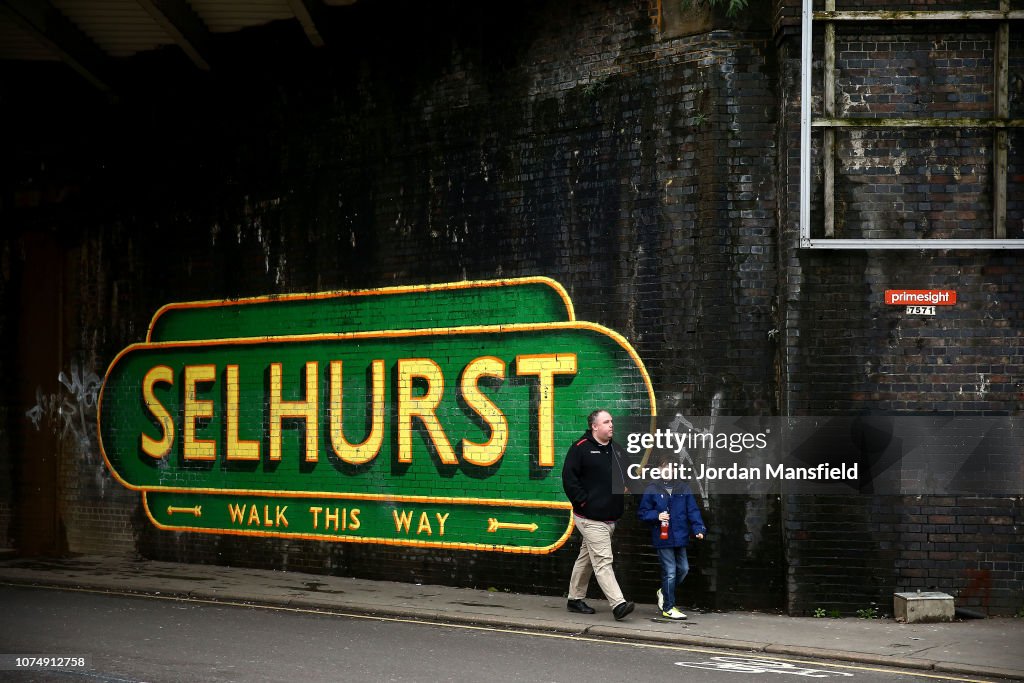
{"x":592,"y":477}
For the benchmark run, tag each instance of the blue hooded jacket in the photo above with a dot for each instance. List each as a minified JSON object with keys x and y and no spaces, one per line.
{"x":682,"y":508}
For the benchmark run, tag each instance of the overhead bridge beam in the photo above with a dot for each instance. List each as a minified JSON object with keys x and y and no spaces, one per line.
{"x":59,"y":34}
{"x":179,"y":21}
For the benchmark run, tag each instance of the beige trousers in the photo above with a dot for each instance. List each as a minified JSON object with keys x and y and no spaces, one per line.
{"x":595,"y":558}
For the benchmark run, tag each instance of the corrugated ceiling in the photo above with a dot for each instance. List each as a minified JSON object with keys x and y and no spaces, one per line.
{"x":90,"y":35}
{"x":16,"y":43}
{"x":121,"y":28}
{"x":225,"y":16}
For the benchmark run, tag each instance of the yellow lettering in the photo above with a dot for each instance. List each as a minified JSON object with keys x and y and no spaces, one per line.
{"x":424,"y":407}
{"x":237,"y":449}
{"x":403,"y":521}
{"x":546,"y":366}
{"x":237,"y":513}
{"x":305,"y":410}
{"x":424,"y":525}
{"x":360,"y":453}
{"x":254,"y":516}
{"x":279,"y":518}
{"x":441,"y":520}
{"x":342,"y":518}
{"x":490,"y":452}
{"x":266,"y":516}
{"x":198,"y":449}
{"x":158,"y":448}
{"x":332,"y":517}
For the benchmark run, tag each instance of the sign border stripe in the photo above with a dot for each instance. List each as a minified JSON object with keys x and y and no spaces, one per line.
{"x":382,"y":291}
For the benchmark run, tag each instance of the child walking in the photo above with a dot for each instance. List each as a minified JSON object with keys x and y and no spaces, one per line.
{"x":669,"y":501}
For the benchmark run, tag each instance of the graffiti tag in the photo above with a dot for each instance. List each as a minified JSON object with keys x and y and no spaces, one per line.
{"x":679,"y":422}
{"x":67,"y":412}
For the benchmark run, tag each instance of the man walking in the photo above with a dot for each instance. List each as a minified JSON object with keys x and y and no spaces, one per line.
{"x":591,"y":475}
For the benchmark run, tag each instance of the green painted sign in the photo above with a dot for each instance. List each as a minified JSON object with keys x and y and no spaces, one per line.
{"x":395,"y":430}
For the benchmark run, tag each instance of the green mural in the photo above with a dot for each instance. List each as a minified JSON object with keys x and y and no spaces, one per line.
{"x":433,"y":416}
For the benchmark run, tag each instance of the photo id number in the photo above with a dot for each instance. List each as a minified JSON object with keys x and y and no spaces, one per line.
{"x":42,"y":662}
{"x":920,"y":310}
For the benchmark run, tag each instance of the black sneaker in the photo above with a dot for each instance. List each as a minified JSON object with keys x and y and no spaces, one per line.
{"x":622,"y":610}
{"x":579,"y":607}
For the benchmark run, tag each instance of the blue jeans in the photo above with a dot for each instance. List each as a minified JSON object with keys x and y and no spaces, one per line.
{"x":674,"y":568}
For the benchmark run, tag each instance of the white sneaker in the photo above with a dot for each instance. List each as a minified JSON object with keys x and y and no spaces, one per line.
{"x":673,"y":614}
{"x":661,"y":599}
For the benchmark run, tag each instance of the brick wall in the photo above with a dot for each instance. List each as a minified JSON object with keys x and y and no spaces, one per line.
{"x":846,"y":352}
{"x":657,"y":180}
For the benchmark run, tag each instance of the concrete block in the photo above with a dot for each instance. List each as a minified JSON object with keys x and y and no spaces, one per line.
{"x":918,"y":607}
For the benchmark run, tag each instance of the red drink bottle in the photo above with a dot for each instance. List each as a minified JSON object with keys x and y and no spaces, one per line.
{"x":664,"y":530}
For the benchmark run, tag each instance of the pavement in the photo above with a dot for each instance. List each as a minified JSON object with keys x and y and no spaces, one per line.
{"x":992,"y":648}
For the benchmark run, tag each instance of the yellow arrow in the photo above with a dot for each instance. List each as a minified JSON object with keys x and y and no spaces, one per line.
{"x":197,"y":510}
{"x":493,"y":525}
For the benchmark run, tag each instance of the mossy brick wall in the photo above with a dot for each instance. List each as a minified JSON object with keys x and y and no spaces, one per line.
{"x":558,"y":139}
{"x":846,"y":352}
